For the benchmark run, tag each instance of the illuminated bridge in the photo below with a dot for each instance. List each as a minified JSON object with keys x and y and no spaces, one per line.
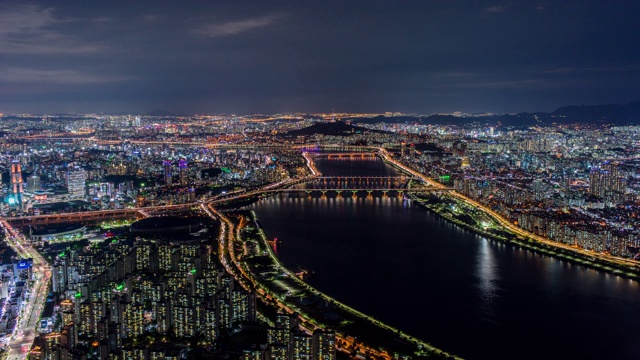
{"x":347,"y":155}
{"x":335,"y":148}
{"x":357,"y":182}
{"x":355,"y":190}
{"x":324,"y":191}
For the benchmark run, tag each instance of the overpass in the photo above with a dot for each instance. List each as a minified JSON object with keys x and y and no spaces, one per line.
{"x":90,"y":216}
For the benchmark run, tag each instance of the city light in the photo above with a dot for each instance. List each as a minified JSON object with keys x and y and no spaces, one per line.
{"x":194,"y":182}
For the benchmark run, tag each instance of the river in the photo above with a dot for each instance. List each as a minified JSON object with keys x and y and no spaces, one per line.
{"x":476,"y":298}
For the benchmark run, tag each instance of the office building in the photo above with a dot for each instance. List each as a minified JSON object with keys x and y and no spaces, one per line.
{"x":33,"y":183}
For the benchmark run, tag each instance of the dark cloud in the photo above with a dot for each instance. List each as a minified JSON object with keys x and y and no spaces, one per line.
{"x":258,"y":56}
{"x":236,"y":27}
{"x":31,"y":29}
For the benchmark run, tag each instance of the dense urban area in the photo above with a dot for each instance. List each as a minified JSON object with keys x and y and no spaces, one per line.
{"x":126,"y":236}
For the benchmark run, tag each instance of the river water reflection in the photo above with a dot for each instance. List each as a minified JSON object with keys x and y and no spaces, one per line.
{"x":474,"y":297}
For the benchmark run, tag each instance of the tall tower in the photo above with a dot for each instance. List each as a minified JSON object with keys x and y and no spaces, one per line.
{"x":182,"y":165}
{"x":168,"y":175}
{"x":16,"y":181}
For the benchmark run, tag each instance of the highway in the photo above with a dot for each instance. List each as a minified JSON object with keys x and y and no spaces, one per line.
{"x":25,"y":332}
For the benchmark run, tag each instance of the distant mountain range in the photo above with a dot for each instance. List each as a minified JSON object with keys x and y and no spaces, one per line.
{"x":613,"y":114}
{"x":616,"y":114}
{"x":331,"y":128}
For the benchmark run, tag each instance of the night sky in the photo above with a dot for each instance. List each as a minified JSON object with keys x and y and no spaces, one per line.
{"x":265,"y":56}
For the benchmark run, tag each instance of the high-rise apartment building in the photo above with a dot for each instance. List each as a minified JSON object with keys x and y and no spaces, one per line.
{"x":76,"y":182}
{"x":301,"y":347}
{"x":184,"y":174}
{"x":324,"y":345}
{"x":606,"y":180}
{"x":168,"y":174}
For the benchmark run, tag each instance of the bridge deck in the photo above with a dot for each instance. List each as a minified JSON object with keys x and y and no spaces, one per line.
{"x":346,"y":177}
{"x":361,"y":189}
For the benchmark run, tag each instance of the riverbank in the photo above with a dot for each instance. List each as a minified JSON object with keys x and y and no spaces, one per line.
{"x":355,"y":329}
{"x":533,"y":245}
{"x":596,"y":261}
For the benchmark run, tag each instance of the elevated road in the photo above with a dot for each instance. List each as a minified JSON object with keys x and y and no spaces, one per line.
{"x":93,"y":215}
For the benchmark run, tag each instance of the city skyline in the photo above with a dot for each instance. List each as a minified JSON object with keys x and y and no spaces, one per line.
{"x":306,"y":180}
{"x":149,"y":234}
{"x":252,"y":57}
